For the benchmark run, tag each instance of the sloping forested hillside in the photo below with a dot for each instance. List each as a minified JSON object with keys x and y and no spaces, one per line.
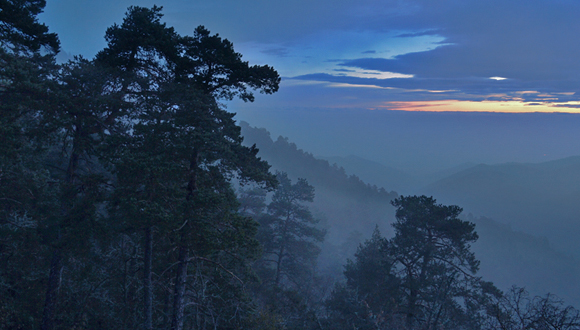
{"x":377,"y":173}
{"x":353,"y":208}
{"x":348,"y":203}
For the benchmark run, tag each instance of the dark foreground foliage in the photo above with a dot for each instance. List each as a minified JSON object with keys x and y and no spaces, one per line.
{"x":118,"y":208}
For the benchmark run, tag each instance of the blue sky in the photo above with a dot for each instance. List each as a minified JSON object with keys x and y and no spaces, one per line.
{"x":468,"y":55}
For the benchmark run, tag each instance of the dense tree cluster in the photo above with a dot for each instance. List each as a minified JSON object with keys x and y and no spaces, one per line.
{"x":290,"y":239}
{"x":116,"y":204}
{"x":118,"y":208}
{"x":425,"y":278}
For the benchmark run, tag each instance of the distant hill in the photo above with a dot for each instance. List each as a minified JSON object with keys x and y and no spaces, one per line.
{"x":352,"y":209}
{"x":510,"y":257}
{"x":387,"y":176}
{"x":541,"y":199}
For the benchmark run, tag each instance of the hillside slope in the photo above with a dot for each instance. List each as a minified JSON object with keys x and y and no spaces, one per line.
{"x":352,"y":209}
{"x":347,"y":202}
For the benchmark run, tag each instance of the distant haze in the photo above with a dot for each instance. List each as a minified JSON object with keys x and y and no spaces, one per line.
{"x":526,"y":214}
{"x":423,"y":142}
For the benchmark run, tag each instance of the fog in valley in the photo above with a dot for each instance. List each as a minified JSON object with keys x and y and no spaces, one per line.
{"x":517,"y":176}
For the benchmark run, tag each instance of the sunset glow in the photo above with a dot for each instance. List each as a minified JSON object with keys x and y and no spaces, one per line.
{"x":482,"y":106}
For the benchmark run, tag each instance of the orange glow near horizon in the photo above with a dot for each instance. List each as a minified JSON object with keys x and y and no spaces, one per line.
{"x":482,"y":106}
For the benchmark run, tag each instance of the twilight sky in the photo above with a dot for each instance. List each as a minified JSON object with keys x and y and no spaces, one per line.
{"x":445,"y":55}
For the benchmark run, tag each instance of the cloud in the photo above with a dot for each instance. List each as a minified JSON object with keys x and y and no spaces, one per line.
{"x":446,"y":45}
{"x":467,"y":89}
{"x":471,"y":85}
{"x":572,"y":106}
{"x":278,"y":51}
{"x":419,"y":34}
{"x":533,"y":44}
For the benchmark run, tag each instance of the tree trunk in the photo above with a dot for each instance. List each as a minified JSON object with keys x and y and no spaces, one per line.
{"x":56,"y":262}
{"x":180,"y":280}
{"x":283,"y":241}
{"x":52,"y":290}
{"x":147,"y":287}
{"x":179,"y":291}
{"x":411,"y":309}
{"x":279,"y":266}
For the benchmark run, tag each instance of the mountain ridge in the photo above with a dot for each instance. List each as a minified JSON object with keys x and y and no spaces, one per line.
{"x":508,"y":256}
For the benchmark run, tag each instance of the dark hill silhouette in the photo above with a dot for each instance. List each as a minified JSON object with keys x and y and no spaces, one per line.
{"x":540,"y":199}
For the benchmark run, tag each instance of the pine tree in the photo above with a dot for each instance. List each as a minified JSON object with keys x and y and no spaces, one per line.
{"x":290,"y":238}
{"x":422,"y":278}
{"x":289,"y":233}
{"x":186,"y":147}
{"x":433,"y":259}
{"x":27,"y":199}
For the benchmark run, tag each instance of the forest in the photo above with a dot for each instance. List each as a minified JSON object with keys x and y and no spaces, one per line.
{"x":129,"y":199}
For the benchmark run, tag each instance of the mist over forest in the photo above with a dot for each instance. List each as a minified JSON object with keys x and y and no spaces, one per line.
{"x":517,"y":173}
{"x":142,"y":189}
{"x":522,"y":211}
{"x":519,"y":169}
{"x":420,"y":143}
